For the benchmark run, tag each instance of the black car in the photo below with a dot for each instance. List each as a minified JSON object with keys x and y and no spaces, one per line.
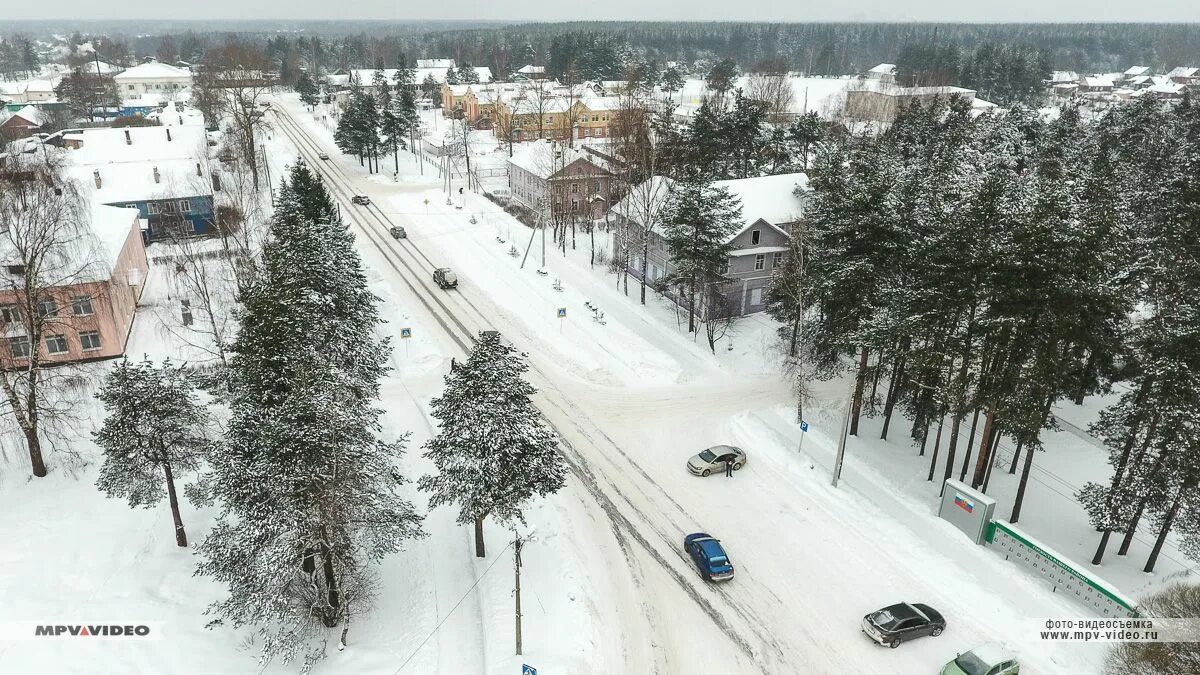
{"x":397,"y":232}
{"x":903,"y":622}
{"x":361,"y":200}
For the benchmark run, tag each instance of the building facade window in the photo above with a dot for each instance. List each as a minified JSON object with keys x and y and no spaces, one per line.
{"x":46,"y":308}
{"x":19,"y":346}
{"x":185,"y":206}
{"x":778,"y":259}
{"x":90,"y":340}
{"x":56,"y":344}
{"x":760,"y":261}
{"x":10,"y":314}
{"x":756,"y":296}
{"x":755,"y":236}
{"x":81,"y":305}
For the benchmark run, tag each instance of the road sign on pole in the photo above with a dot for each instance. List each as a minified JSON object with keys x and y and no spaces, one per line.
{"x":528,"y":670}
{"x":562,"y":314}
{"x":803,"y":426}
{"x":405,"y":333}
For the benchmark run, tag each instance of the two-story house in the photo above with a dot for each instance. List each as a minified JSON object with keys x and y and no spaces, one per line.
{"x":154,"y":78}
{"x":770,"y":207}
{"x":89,"y":313}
{"x":553,"y":179}
{"x":162,"y":171}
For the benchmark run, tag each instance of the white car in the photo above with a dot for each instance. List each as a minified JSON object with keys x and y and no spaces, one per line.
{"x":323,"y":156}
{"x":714,"y":459}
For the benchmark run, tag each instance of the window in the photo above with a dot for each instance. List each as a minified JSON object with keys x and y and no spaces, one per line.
{"x":16,"y":270}
{"x":19,"y":346}
{"x":152,"y":207}
{"x":777,"y":259}
{"x":90,"y":340}
{"x":81,"y":305}
{"x":10,"y":314}
{"x":755,"y":296}
{"x":575,"y":188}
{"x":574,"y":204}
{"x":46,"y":308}
{"x":185,"y":206}
{"x":760,"y":261}
{"x":56,"y":344}
{"x":754,"y":238}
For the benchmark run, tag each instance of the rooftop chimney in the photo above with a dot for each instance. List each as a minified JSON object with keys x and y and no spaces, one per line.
{"x":96,"y":177}
{"x":128,"y":139}
{"x":198,"y":172}
{"x":168,"y":134}
{"x":156,"y":176}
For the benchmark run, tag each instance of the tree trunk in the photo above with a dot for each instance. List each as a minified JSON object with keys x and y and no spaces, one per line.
{"x":1166,"y":526}
{"x":479,"y":550}
{"x":331,"y":617}
{"x":985,"y":446}
{"x":35,"y":452}
{"x":893,"y":394}
{"x":1131,"y":528}
{"x":937,"y":444}
{"x":1016,"y":510}
{"x":1118,"y":478}
{"x":180,"y":535}
{"x":962,"y":475}
{"x":1012,"y":468}
{"x":692,"y":306}
{"x":859,"y":385}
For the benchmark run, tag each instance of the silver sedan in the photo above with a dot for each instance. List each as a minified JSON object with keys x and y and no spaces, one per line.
{"x":714,"y":459}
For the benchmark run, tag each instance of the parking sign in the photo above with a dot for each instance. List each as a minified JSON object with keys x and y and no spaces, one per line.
{"x":803,"y":425}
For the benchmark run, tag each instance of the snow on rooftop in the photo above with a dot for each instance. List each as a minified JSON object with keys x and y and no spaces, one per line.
{"x":153,"y":71}
{"x":436,"y":63}
{"x":111,"y":225}
{"x":1137,"y":71}
{"x":1183,"y":71}
{"x":531,"y":70}
{"x":544,"y":158}
{"x":884,"y":69}
{"x":1094,"y":81}
{"x":769,"y":198}
{"x":30,"y":113}
{"x":135,"y":144}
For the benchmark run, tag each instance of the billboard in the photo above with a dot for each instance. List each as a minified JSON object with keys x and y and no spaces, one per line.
{"x":967,"y":509}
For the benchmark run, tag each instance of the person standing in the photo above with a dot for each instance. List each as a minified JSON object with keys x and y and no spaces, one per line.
{"x":729,"y":468}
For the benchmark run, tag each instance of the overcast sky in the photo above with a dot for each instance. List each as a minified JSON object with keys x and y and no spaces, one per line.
{"x":658,"y":10}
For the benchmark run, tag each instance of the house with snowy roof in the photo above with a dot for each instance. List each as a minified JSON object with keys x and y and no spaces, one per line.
{"x":161,"y":171}
{"x":530,"y":72}
{"x":1095,"y":84}
{"x":22,"y":124}
{"x":770,"y":207}
{"x":1185,"y":75}
{"x":88,"y":314}
{"x":1136,"y":71}
{"x":152,"y":78}
{"x":884,"y":72}
{"x":568,"y":181}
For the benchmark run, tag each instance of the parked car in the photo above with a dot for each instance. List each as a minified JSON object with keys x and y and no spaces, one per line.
{"x":709,"y":556}
{"x":397,"y":232}
{"x":322,"y":155}
{"x":903,"y":622}
{"x":714,"y":459}
{"x":445,"y":277}
{"x":361,"y":200}
{"x":985,"y":660}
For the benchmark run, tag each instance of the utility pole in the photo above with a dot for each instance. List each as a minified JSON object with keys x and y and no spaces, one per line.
{"x":518,"y":543}
{"x":837,"y":465}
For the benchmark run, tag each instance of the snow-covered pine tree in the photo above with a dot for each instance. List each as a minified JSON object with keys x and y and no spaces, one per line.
{"x":451,"y":76}
{"x":672,"y":81}
{"x":309,"y":94}
{"x":308,"y":491}
{"x":154,"y":430}
{"x":493,"y":451}
{"x":698,"y":223}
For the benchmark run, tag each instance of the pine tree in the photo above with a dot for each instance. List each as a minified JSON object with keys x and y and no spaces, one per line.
{"x":672,"y":81}
{"x":451,"y":76}
{"x":698,"y":223}
{"x":307,"y":489}
{"x":154,"y":430}
{"x":493,"y":451}
{"x":430,"y":89}
{"x":467,"y":74}
{"x":309,"y":94}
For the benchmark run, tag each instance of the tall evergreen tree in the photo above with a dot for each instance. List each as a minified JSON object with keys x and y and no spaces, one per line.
{"x":153,"y":431}
{"x":308,"y":490}
{"x":493,"y":451}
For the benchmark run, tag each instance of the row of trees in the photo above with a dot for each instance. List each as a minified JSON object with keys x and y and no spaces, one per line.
{"x":383,"y":120}
{"x":978,"y":269}
{"x":309,"y":493}
{"x":999,"y":72}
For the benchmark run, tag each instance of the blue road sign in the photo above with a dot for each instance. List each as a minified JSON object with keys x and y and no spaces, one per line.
{"x":562,"y":312}
{"x":803,"y":426}
{"x":528,"y":670}
{"x":405,"y":332}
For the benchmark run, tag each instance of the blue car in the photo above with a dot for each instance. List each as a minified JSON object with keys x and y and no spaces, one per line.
{"x":709,"y":556}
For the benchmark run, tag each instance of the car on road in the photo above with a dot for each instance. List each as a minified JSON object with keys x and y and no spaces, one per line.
{"x":903,"y":622}
{"x":709,"y":556}
{"x":322,"y":155}
{"x":361,"y":200}
{"x":397,"y":232}
{"x":714,"y":459}
{"x":445,"y":277}
{"x":984,"y":660}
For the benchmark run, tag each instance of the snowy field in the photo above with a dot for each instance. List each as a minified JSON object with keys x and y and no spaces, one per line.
{"x":605,"y":585}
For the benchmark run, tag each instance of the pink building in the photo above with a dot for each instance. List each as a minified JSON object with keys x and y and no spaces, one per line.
{"x":88,"y":317}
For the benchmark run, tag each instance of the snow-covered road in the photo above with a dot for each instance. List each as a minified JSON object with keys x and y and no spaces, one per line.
{"x":631,"y":402}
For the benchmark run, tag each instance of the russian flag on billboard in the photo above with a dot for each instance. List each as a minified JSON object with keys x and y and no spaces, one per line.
{"x":964,"y":503}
